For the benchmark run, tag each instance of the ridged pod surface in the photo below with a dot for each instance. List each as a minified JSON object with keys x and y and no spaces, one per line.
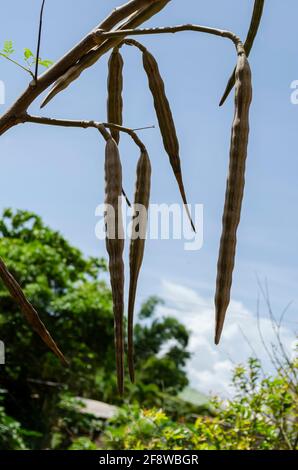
{"x":137,"y":244}
{"x":115,"y":247}
{"x":165,"y":120}
{"x":115,"y":88}
{"x":234,"y":191}
{"x":252,"y":32}
{"x":28,"y":310}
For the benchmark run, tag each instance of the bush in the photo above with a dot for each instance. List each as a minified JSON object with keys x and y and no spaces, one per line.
{"x":262,"y":416}
{"x":11,"y":434}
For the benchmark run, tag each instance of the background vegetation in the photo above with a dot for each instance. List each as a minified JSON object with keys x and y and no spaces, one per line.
{"x":39,"y":407}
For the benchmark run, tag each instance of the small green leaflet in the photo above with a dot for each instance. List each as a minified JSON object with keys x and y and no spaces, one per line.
{"x":45,"y":63}
{"x":8,"y":48}
{"x":28,"y":54}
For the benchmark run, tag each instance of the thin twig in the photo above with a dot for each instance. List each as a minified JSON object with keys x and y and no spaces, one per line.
{"x":16,"y":63}
{"x":20,"y":106}
{"x":39,"y":39}
{"x":252,"y":349}
{"x":101,"y":126}
{"x":133,"y":42}
{"x":141,"y":14}
{"x":275,"y":328}
{"x":143,"y":128}
{"x":283,"y":314}
{"x":262,"y":337}
{"x":128,"y":131}
{"x":98,"y":35}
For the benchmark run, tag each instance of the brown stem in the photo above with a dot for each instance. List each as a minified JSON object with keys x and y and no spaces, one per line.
{"x":10,"y":118}
{"x":133,"y":21}
{"x":101,"y":126}
{"x":169,"y":29}
{"x":98,"y":37}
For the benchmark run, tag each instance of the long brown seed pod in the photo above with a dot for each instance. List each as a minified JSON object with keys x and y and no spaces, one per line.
{"x":137,"y":244}
{"x":114,"y":101}
{"x":252,"y":32}
{"x":29,"y":311}
{"x":115,"y":247}
{"x":115,"y":88}
{"x":234,"y":191}
{"x":165,"y":120}
{"x":95,"y":54}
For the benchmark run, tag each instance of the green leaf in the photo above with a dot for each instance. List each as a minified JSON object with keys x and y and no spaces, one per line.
{"x":8,"y":48}
{"x":45,"y":63}
{"x":28,"y":54}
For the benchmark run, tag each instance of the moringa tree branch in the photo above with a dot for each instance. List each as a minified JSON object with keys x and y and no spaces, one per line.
{"x":114,"y":38}
{"x":169,"y":29}
{"x":101,"y":126}
{"x":15,"y":115}
{"x":98,"y":42}
{"x":104,"y":46}
{"x":35,"y":88}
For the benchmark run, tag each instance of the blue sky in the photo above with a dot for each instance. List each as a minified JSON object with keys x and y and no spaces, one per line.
{"x":58,"y":172}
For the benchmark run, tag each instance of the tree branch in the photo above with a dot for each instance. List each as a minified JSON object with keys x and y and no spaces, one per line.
{"x":10,"y":118}
{"x":89,"y":59}
{"x":101,"y":126}
{"x":114,"y":38}
{"x":140,"y":11}
{"x":171,"y":29}
{"x":16,"y":63}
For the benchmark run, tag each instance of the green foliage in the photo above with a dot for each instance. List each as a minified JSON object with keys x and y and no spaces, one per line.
{"x":12,"y":436}
{"x":261,"y":416}
{"x":44,"y":63}
{"x":7,"y":48}
{"x":75,"y":304}
{"x":137,"y":429}
{"x":148,"y":307}
{"x":72,"y":427}
{"x":83,"y":443}
{"x":27,"y":54}
{"x":161,"y":349}
{"x":29,"y":58}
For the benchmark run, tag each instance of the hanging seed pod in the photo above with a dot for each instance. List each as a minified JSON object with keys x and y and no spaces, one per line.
{"x":89,"y":59}
{"x":165,"y":120}
{"x":253,"y":30}
{"x":115,"y":247}
{"x":234,"y":191}
{"x":115,"y":102}
{"x":115,"y":87}
{"x":29,"y":311}
{"x":137,"y":244}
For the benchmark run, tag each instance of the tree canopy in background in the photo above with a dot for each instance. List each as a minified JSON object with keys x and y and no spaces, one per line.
{"x":73,"y":300}
{"x":39,"y":405}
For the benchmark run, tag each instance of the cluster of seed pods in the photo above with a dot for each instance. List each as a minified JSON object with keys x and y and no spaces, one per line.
{"x":241,"y":79}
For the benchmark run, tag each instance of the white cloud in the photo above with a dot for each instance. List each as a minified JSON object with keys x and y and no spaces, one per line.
{"x":210,"y":368}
